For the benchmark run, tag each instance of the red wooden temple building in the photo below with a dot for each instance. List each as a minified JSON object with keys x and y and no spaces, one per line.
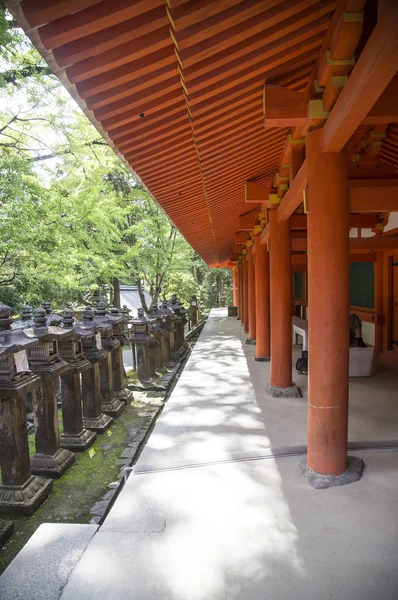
{"x":268,"y":132}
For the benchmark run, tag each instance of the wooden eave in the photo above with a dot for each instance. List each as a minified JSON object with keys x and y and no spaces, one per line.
{"x":176,"y":88}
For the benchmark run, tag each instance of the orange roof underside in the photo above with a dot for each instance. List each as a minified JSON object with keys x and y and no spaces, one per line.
{"x":195,"y":70}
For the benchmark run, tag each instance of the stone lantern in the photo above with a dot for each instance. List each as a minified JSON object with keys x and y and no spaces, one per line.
{"x":180,"y":312}
{"x":194,"y":310}
{"x":169,"y":331}
{"x":44,"y":360}
{"x":26,"y":322}
{"x":93,"y":417}
{"x":143,"y":357}
{"x":119,"y":331}
{"x":109,"y":402}
{"x":126,"y":320}
{"x":20,"y":491}
{"x":74,"y":437}
{"x":156,"y":326}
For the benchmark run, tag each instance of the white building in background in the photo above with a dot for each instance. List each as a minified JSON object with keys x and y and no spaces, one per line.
{"x":130,"y":297}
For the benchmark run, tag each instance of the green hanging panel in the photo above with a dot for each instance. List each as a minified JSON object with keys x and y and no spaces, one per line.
{"x":362,"y":284}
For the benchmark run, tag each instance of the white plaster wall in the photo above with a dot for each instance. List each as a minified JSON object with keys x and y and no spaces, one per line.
{"x":392,"y":221}
{"x":365,"y":233}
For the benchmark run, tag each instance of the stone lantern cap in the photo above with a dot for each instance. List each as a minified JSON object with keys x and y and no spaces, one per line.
{"x":174,"y":301}
{"x":44,"y":356}
{"x":164,"y":309}
{"x":71,"y":349}
{"x":77,"y":329}
{"x":88,"y":320}
{"x":26,"y":320}
{"x":12,"y":340}
{"x":44,"y":332}
{"x":157,"y":321}
{"x":126,"y":313}
{"x":115,"y":315}
{"x":177,"y":306}
{"x":92,"y":343}
{"x":154,"y":312}
{"x":101,"y":319}
{"x":16,"y":380}
{"x":105,"y":326}
{"x":140,"y":327}
{"x":194,"y":300}
{"x":119,"y":326}
{"x":51,"y":319}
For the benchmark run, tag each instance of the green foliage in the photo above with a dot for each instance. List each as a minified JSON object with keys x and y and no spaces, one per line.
{"x":72,"y":216}
{"x":20,"y":57}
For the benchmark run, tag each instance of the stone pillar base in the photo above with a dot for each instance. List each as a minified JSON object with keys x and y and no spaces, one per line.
{"x":25,"y":499}
{"x":289,"y":392}
{"x":77,"y":442}
{"x":354,"y":472}
{"x":124,"y":395}
{"x":261,"y":359}
{"x":53,"y":465}
{"x":250,"y":341}
{"x":6,"y":531}
{"x":97,"y":424}
{"x":113,"y":407}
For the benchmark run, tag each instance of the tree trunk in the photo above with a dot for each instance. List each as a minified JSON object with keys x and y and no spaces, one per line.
{"x":116,"y":292}
{"x":142,"y":296}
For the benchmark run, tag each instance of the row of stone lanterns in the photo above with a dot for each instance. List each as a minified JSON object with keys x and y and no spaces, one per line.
{"x":158,"y":338}
{"x":34,"y":353}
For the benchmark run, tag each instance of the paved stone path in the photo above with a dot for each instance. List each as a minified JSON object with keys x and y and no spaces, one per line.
{"x":204,"y":517}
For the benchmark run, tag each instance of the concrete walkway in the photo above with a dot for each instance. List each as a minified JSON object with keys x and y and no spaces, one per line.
{"x":211,"y":514}
{"x":205,"y":517}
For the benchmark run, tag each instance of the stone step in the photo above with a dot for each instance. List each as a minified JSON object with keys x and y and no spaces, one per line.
{"x":42,"y":568}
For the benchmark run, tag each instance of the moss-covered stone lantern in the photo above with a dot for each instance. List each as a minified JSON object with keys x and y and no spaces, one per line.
{"x":111,"y":405}
{"x":74,"y":437}
{"x":119,"y":331}
{"x":20,"y":491}
{"x":156,"y":326}
{"x":180,"y":312}
{"x":50,"y":459}
{"x":194,"y":311}
{"x":168,"y":331}
{"x":143,"y":357}
{"x":93,"y":417}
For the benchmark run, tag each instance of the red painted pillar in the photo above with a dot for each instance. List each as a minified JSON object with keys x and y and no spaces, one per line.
{"x":262,"y":302}
{"x":240,"y":304}
{"x":242,"y":289}
{"x":328,"y":307}
{"x":235,"y":286}
{"x":281,"y":309}
{"x":245,"y":295}
{"x":251,"y":296}
{"x":378,"y":294}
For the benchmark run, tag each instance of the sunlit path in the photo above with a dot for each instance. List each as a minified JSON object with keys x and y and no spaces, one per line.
{"x":187,"y":528}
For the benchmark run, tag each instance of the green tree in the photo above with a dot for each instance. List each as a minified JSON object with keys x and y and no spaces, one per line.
{"x":72,"y":216}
